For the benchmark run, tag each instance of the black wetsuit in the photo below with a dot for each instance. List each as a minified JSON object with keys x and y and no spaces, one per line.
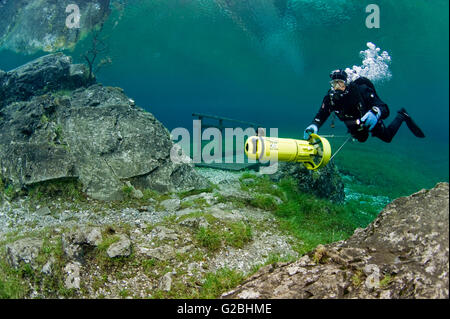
{"x":351,"y":105}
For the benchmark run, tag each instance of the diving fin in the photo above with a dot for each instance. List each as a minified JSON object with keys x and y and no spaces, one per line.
{"x":410,"y":123}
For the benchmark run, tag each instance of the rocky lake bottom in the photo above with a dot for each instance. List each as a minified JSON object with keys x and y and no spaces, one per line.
{"x":197,"y":244}
{"x":164,"y":245}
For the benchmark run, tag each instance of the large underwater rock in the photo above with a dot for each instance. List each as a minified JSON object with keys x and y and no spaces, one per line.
{"x":40,"y":25}
{"x":96,"y":134}
{"x":50,"y":73}
{"x":402,"y":254}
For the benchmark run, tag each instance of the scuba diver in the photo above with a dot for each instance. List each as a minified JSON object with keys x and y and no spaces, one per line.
{"x":357,"y":104}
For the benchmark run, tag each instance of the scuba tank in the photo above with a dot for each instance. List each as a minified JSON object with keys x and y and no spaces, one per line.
{"x":362,"y":80}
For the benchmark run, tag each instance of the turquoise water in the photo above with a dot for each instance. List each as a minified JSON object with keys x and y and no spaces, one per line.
{"x":268,"y":61}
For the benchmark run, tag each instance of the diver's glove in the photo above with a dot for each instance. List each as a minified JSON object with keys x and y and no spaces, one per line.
{"x":310,"y":129}
{"x":370,"y":119}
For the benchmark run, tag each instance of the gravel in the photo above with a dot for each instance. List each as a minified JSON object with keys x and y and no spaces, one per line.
{"x":218,"y":176}
{"x":22,"y":217}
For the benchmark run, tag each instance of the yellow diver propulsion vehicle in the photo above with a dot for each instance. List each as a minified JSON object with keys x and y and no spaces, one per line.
{"x":314,"y":153}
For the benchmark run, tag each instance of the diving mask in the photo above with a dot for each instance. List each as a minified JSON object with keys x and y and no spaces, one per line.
{"x":337,"y":84}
